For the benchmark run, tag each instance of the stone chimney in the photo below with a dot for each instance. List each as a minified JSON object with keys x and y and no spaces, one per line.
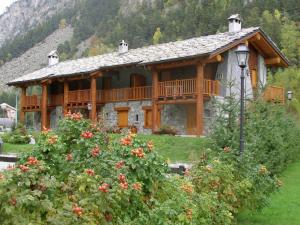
{"x":123,"y":47}
{"x":53,"y":58}
{"x":235,"y":23}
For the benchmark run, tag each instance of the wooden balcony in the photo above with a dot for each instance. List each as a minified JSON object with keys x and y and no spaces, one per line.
{"x":274,"y":94}
{"x":187,"y":87}
{"x":56,"y":100}
{"x":124,"y":94}
{"x":79,"y":97}
{"x":31,"y":103}
{"x":175,"y":89}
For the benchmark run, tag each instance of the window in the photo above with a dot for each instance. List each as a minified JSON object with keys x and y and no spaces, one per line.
{"x":122,"y":116}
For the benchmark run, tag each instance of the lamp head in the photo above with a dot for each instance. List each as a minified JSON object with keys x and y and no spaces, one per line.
{"x":242,"y":54}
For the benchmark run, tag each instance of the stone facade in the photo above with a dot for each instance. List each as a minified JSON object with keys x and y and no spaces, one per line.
{"x":135,"y":114}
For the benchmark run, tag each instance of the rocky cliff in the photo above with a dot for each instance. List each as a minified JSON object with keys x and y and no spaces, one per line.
{"x":23,"y":15}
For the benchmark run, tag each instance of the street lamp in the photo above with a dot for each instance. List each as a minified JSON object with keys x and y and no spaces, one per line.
{"x":242,"y":54}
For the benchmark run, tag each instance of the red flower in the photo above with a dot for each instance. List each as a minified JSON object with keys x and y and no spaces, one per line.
{"x":150,"y":145}
{"x":52,"y":140}
{"x":46,"y":130}
{"x":10,"y":167}
{"x":108,"y":217}
{"x":126,"y":141}
{"x":87,"y":135}
{"x":76,"y":116}
{"x":13,"y":201}
{"x":137,"y":186}
{"x":32,"y":161}
{"x":104,"y":188}
{"x":95,"y":152}
{"x":119,"y":165}
{"x":90,"y":172}
{"x":139,"y":152}
{"x":122,"y":178}
{"x":69,"y":157}
{"x":77,"y":210}
{"x":124,"y":185}
{"x":24,"y":168}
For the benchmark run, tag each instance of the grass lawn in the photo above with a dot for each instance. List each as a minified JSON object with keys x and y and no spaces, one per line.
{"x":176,"y":149}
{"x":285,"y":205}
{"x":12,"y":148}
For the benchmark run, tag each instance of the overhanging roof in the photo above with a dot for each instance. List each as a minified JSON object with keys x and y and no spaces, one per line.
{"x":173,"y":51}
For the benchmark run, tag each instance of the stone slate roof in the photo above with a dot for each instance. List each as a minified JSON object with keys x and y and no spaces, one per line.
{"x":171,"y":51}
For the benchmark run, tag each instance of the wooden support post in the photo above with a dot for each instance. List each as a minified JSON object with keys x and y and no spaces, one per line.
{"x":93,"y":115}
{"x":154,"y":100}
{"x":44,"y":108}
{"x":22,"y":104}
{"x":93,"y":93}
{"x":66,"y":96}
{"x":199,"y":100}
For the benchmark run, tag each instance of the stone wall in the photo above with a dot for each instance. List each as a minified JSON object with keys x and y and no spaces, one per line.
{"x":135,"y":114}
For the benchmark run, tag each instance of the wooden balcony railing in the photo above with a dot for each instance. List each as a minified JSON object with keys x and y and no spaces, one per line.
{"x":212,"y":87}
{"x":187,"y":87}
{"x":79,"y":96}
{"x":274,"y":94}
{"x":174,"y":88}
{"x":56,"y":100}
{"x":33,"y":101}
{"x":124,"y":94}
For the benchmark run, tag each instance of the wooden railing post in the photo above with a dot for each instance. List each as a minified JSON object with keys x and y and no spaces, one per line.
{"x":66,"y":96}
{"x":154,"y":100}
{"x":22,"y":105}
{"x":44,"y":105}
{"x":199,"y":100}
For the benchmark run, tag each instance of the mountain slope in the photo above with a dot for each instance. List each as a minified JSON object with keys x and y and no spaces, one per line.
{"x":35,"y":58}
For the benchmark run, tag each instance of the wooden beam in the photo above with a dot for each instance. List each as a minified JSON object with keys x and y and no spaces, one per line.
{"x":97,"y":74}
{"x":257,"y":37}
{"x":154,"y":100}
{"x":199,"y":101}
{"x":272,"y":61}
{"x":178,"y":101}
{"x":22,"y":104}
{"x":66,"y":96}
{"x":44,"y":106}
{"x":215,"y":59}
{"x":93,"y":92}
{"x":176,"y":64}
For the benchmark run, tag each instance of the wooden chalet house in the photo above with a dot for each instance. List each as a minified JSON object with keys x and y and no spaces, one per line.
{"x":165,"y":84}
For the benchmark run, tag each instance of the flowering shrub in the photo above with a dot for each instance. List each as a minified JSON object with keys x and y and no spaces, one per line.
{"x":78,"y":176}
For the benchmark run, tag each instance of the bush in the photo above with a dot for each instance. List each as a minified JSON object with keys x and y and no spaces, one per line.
{"x":271,"y":134}
{"x":19,"y":135}
{"x":79,"y":176}
{"x":166,"y":129}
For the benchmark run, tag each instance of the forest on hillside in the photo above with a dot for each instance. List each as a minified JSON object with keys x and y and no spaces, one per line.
{"x":167,"y":20}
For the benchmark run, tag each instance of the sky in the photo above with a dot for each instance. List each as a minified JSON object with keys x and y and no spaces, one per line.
{"x":4,"y":4}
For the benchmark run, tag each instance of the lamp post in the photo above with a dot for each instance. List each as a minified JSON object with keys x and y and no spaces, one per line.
{"x":242,"y":54}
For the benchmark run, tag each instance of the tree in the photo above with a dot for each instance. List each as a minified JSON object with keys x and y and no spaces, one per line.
{"x":157,"y":36}
{"x":289,"y":42}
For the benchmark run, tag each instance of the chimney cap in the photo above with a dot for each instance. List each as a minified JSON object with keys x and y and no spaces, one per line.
{"x":235,"y":17}
{"x":123,"y":47}
{"x":53,"y":53}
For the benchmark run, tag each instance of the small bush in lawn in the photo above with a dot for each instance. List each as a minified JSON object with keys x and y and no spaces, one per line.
{"x":166,"y":129}
{"x":19,"y":135}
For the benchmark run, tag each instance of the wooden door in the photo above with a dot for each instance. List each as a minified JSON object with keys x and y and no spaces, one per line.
{"x":191,"y":119}
{"x":123,"y":118}
{"x":137,"y":80}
